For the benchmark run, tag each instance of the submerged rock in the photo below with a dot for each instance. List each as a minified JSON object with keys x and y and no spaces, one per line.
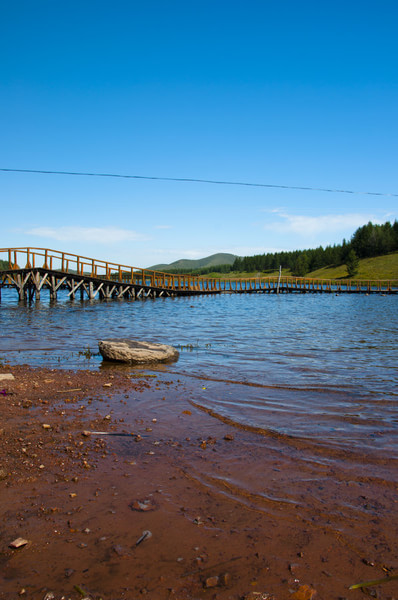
{"x":137,"y":352}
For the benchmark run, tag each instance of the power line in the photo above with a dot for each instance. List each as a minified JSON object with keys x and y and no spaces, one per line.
{"x":192,"y":180}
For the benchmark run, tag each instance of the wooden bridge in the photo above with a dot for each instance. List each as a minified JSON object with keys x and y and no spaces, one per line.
{"x":31,"y":270}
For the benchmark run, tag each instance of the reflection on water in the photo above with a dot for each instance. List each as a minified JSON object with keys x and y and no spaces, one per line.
{"x":310,"y":366}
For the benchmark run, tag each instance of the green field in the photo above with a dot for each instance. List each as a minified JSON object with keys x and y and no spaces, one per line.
{"x":378,"y":267}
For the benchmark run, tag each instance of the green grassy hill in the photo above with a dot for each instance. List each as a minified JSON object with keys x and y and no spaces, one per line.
{"x":379,"y":267}
{"x":208,"y":261}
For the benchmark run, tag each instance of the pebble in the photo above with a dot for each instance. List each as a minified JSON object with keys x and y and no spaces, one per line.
{"x":18,"y":543}
{"x":225,"y":579}
{"x":211,"y":582}
{"x":120,"y":551}
{"x":7,"y":377}
{"x":69,"y":572}
{"x":305,"y":592}
{"x":143,"y":505}
{"x":3,"y":474}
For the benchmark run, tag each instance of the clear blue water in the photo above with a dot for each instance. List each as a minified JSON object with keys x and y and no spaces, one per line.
{"x":311,"y":366}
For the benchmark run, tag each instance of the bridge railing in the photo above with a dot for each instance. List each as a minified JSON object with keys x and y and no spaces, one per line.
{"x":65,"y":262}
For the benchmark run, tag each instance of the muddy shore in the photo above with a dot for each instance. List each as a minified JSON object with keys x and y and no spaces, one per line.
{"x":91,"y":461}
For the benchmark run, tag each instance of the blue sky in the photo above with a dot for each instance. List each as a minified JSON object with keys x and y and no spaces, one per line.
{"x":286,"y":93}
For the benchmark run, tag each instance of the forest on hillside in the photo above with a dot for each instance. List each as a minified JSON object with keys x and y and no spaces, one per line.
{"x":367,"y":241}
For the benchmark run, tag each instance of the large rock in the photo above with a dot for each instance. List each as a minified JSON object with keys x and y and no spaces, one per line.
{"x":136,"y":352}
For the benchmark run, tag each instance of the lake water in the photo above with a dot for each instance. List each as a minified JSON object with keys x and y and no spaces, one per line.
{"x":314,"y":367}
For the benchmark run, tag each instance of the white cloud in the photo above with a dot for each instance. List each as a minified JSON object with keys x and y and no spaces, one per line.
{"x":313,"y":225}
{"x":102,"y":235}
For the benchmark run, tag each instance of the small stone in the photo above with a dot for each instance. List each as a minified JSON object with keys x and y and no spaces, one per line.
{"x":229,"y":437}
{"x":305,"y":592}
{"x":370,"y":563}
{"x":46,"y":426}
{"x":69,"y":572}
{"x":120,"y":551}
{"x":18,"y":543}
{"x":143,"y":505}
{"x":211,"y":582}
{"x":225,"y":579}
{"x":7,"y":377}
{"x":3,"y":474}
{"x":107,"y":385}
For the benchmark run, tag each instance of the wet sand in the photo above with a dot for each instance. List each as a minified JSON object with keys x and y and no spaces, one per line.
{"x":232,"y":513}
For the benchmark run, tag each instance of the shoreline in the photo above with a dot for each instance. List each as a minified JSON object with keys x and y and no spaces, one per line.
{"x":230,"y":514}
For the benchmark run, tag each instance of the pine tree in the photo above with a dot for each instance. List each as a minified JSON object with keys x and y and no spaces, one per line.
{"x":352,"y":263}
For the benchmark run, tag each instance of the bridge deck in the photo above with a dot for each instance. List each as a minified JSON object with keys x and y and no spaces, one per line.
{"x":54,"y":270}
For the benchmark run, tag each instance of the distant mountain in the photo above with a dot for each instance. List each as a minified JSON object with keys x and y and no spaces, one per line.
{"x":210,"y":261}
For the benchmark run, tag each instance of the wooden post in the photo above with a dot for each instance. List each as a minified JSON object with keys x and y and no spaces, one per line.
{"x":279,"y":279}
{"x":28,"y":265}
